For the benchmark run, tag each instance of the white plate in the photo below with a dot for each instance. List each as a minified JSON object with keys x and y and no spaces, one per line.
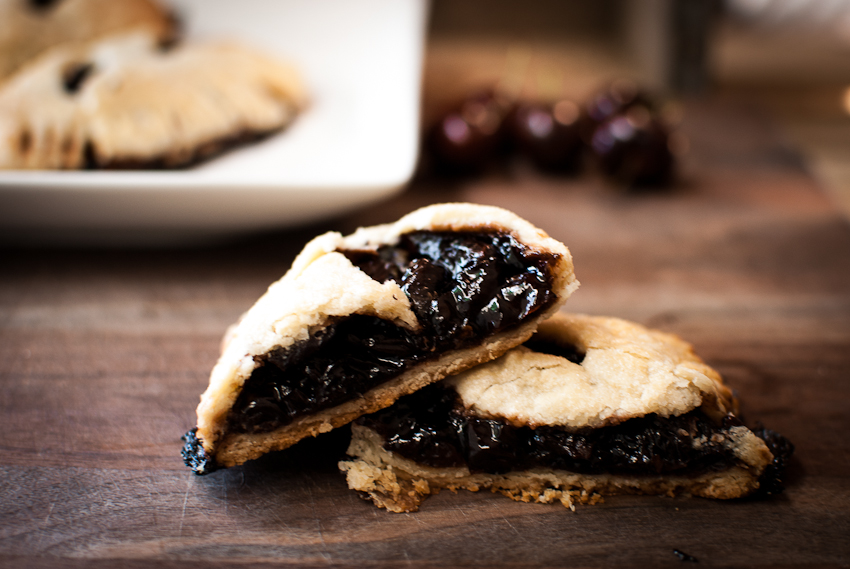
{"x":356,"y":144}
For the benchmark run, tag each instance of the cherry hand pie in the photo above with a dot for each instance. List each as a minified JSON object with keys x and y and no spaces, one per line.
{"x":361,"y":320}
{"x":589,"y":406}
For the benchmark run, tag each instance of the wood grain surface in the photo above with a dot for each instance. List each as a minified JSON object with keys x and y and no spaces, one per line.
{"x":103,"y":355}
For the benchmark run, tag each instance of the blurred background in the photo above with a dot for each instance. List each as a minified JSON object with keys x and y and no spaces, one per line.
{"x":776,"y":69}
{"x":105,"y":349}
{"x":788,"y":60}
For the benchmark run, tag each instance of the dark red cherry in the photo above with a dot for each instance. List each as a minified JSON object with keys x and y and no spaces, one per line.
{"x":633,"y":148}
{"x":616,"y":99}
{"x":465,"y":139}
{"x":548,"y":134}
{"x":456,"y":144}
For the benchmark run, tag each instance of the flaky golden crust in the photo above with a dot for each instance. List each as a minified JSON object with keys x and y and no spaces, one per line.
{"x":122,"y":102}
{"x":322,"y":285}
{"x":627,"y":371}
{"x":28,"y":30}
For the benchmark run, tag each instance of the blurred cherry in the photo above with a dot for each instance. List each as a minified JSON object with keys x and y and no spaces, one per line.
{"x":465,"y":139}
{"x":620,"y":96}
{"x":634,"y":148}
{"x":548,"y":134}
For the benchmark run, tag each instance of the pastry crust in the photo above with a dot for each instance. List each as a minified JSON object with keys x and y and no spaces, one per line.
{"x":627,"y":371}
{"x":125,"y":103}
{"x":323,"y":285}
{"x":28,"y":28}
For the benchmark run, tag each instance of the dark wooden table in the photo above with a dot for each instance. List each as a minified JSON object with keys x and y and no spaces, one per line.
{"x":103,"y":355}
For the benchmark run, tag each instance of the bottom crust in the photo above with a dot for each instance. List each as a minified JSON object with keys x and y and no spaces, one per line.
{"x":400,"y":485}
{"x":182,"y":158}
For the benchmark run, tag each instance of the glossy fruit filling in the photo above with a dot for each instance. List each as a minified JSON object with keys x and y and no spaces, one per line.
{"x":462,"y":287}
{"x":431,"y":427}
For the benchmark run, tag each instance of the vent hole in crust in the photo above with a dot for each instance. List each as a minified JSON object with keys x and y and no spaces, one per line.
{"x":568,"y":351}
{"x":42,"y":5}
{"x":75,"y":75}
{"x":174,"y":36}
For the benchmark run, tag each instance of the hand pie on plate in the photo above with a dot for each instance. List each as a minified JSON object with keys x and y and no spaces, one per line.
{"x":30,"y":27}
{"x":359,"y":321}
{"x":125,"y":103}
{"x":589,"y":406}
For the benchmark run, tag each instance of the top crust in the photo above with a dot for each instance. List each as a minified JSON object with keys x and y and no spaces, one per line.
{"x":323,"y":284}
{"x":457,"y":217}
{"x":27,"y":30}
{"x":628,"y":371}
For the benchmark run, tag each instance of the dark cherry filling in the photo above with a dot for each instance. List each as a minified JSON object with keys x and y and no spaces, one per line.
{"x":344,"y":360}
{"x":461,"y":286}
{"x":432,"y":428}
{"x":782,"y":449}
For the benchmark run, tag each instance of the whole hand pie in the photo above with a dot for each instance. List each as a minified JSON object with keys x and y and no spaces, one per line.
{"x":30,"y":27}
{"x":362,"y":320}
{"x":589,"y":406}
{"x":123,"y":102}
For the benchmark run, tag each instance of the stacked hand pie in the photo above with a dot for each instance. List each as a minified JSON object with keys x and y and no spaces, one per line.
{"x":439,"y":338}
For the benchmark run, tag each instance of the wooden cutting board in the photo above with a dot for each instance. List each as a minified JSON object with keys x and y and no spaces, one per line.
{"x":103,"y":355}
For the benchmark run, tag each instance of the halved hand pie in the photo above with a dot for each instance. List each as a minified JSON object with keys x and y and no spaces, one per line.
{"x":359,"y":321}
{"x":588,"y":406}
